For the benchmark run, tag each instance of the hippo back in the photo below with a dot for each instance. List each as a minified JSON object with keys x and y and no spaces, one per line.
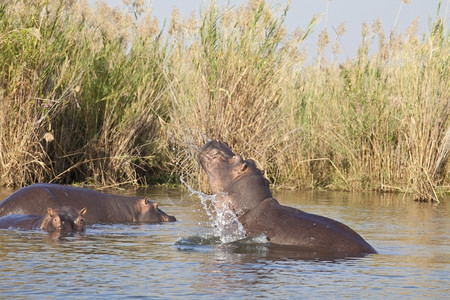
{"x":20,"y":221}
{"x":102,"y":207}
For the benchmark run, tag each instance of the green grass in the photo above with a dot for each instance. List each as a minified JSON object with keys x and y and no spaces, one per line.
{"x":103,"y":96}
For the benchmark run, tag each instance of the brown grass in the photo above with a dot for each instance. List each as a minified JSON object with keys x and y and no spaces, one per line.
{"x":104,"y":96}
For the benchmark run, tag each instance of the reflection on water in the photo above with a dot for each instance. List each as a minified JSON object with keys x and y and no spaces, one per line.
{"x":187,"y":259}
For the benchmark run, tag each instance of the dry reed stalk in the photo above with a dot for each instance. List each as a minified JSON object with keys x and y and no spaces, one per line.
{"x":119,"y":102}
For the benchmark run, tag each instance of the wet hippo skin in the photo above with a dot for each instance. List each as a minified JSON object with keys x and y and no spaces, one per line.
{"x":241,"y":186}
{"x":66,"y":219}
{"x":101,"y":207}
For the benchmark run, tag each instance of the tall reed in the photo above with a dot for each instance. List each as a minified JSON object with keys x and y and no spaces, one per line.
{"x":227,"y":81}
{"x":80,"y":100}
{"x":105,"y":96}
{"x":377,"y":121}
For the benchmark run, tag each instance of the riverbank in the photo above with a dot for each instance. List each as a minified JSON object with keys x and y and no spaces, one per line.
{"x":101,"y":96}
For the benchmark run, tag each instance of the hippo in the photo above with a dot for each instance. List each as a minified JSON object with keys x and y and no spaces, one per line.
{"x":242,"y":187}
{"x":65,"y":219}
{"x":102,"y":207}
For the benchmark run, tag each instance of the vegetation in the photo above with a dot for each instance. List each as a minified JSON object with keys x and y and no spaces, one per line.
{"x":106,"y":97}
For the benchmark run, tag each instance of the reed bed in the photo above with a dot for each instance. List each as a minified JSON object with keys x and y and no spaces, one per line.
{"x":82,"y":98}
{"x":105,"y":96}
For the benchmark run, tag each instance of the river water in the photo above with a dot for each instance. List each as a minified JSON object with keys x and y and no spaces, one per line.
{"x":185,"y":260}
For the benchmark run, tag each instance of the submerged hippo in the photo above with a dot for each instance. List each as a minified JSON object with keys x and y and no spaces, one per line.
{"x":66,"y":219}
{"x":242,"y":184}
{"x":102,"y":208}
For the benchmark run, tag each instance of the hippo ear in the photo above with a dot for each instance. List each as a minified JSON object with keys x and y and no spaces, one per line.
{"x":82,"y":211}
{"x":244,"y":167}
{"x":50,"y":212}
{"x":145,"y":202}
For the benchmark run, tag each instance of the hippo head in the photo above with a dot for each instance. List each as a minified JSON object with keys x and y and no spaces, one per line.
{"x":51,"y":221}
{"x":148,"y":212}
{"x":71,"y":218}
{"x":66,"y":219}
{"x":228,"y":173}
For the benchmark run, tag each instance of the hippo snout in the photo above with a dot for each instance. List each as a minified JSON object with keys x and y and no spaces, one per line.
{"x":162,"y":215}
{"x":168,"y":218}
{"x":165,"y":217}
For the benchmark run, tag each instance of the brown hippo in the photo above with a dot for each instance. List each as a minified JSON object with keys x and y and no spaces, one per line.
{"x":103,"y":208}
{"x":243,"y":185}
{"x":66,"y":219}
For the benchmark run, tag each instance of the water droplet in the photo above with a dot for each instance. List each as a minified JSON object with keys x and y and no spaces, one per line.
{"x":223,"y":220}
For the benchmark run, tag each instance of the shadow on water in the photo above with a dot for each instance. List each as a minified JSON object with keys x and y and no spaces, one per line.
{"x":250,"y":250}
{"x":53,"y":236}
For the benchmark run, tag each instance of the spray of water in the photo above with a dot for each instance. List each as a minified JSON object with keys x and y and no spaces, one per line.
{"x":225,"y":223}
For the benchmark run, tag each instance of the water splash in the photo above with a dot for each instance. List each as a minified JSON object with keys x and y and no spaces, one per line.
{"x":224,"y":221}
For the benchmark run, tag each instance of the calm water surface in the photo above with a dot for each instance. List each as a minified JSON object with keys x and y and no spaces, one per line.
{"x":184,"y":260}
